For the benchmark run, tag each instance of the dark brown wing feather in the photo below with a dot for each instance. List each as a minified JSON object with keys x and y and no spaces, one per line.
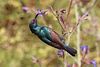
{"x":56,"y":38}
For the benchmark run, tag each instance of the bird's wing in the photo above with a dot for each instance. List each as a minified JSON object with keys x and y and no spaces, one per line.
{"x":53,"y":36}
{"x":56,"y":38}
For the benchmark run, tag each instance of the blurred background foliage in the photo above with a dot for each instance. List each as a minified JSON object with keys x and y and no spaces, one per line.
{"x":18,"y":45}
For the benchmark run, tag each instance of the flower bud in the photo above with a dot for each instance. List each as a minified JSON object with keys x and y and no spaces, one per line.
{"x":60,"y":53}
{"x":84,"y":49}
{"x":25,"y":9}
{"x":94,"y":63}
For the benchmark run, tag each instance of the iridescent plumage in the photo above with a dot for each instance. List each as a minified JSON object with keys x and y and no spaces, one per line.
{"x":50,"y":37}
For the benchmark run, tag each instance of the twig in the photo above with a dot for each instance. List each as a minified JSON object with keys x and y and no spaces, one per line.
{"x":68,"y":11}
{"x":97,"y":52}
{"x":78,"y":36}
{"x":78,"y":20}
{"x":57,"y":16}
{"x":53,"y":3}
{"x":81,"y":18}
{"x":22,"y":3}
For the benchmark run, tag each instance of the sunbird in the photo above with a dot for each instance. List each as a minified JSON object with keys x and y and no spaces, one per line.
{"x":50,"y":37}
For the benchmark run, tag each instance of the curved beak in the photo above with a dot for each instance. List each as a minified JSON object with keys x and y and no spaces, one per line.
{"x":36,"y":15}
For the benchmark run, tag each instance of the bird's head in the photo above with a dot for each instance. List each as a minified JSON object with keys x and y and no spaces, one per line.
{"x":34,"y":21}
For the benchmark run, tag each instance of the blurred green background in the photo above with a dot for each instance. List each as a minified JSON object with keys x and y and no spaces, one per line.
{"x":18,"y":45}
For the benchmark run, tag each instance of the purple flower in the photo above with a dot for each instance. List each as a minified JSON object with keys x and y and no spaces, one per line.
{"x":60,"y":53}
{"x":94,"y":63}
{"x":84,"y":49}
{"x":68,"y":65}
{"x":25,"y":9}
{"x":61,"y":19}
{"x":39,"y":12}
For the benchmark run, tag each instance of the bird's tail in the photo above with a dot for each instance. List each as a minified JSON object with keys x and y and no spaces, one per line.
{"x":70,"y":50}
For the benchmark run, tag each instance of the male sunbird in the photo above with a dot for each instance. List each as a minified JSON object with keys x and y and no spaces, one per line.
{"x":50,"y":37}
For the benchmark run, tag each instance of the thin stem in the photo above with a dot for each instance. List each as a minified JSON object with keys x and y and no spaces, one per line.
{"x":68,"y":11}
{"x":22,"y":3}
{"x":57,"y":16}
{"x":82,"y":17}
{"x":78,"y":35}
{"x":97,"y":52}
{"x":39,"y":64}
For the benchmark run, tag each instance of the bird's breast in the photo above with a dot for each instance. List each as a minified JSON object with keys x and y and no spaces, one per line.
{"x":44,"y":32}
